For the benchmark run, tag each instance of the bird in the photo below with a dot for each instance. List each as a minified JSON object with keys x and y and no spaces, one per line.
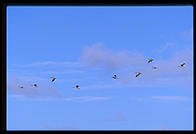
{"x":138,"y":73}
{"x":53,"y":79}
{"x":182,"y":65}
{"x":154,"y":67}
{"x":20,"y":86}
{"x":34,"y":85}
{"x":150,"y":60}
{"x":77,"y":87}
{"x":115,"y":77}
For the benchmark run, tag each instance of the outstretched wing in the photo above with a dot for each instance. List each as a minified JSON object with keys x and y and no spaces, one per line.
{"x":53,"y":79}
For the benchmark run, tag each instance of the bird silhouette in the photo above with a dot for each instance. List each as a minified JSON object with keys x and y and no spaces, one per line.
{"x":115,"y":77}
{"x":34,"y":85}
{"x":138,"y":73}
{"x":150,"y":60}
{"x":20,"y":86}
{"x":53,"y":79}
{"x":77,"y":87}
{"x":154,"y":67}
{"x":182,"y":65}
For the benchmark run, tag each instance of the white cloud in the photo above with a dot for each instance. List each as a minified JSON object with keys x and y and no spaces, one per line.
{"x":98,"y":55}
{"x":171,"y":98}
{"x":70,"y":71}
{"x":77,"y":99}
{"x":44,"y":92}
{"x":49,"y":63}
{"x":60,"y":127}
{"x":188,"y":34}
{"x":118,"y":117}
{"x":87,"y":98}
{"x":54,"y":65}
{"x":123,"y":63}
{"x":43,"y":89}
{"x":166,"y":47}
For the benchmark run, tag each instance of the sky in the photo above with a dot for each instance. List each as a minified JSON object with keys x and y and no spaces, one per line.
{"x":87,"y":45}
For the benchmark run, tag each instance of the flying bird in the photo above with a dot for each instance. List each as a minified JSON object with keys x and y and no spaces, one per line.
{"x":138,"y":73}
{"x":150,"y":60}
{"x":182,"y":65}
{"x":20,"y":86}
{"x":115,"y":77}
{"x":77,"y":87}
{"x":34,"y":85}
{"x":53,"y":79}
{"x":154,"y":67}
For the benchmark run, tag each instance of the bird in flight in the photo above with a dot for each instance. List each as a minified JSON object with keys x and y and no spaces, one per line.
{"x":20,"y":86}
{"x":182,"y":65}
{"x":34,"y":85}
{"x":77,"y":87}
{"x":150,"y":60}
{"x":138,"y":73}
{"x":115,"y":77}
{"x":154,"y":67}
{"x":53,"y":79}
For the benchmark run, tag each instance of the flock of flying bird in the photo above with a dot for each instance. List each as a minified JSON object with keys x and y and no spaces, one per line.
{"x":114,"y":76}
{"x":154,"y":67}
{"x":52,"y":80}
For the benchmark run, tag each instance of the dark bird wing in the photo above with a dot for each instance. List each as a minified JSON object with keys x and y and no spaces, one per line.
{"x":114,"y":77}
{"x":154,"y":67}
{"x":183,"y":64}
{"x":77,"y":86}
{"x":20,"y":86}
{"x":137,"y":74}
{"x":53,"y":79}
{"x":150,"y":60}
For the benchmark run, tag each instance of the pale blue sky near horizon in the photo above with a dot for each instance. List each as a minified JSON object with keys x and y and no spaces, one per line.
{"x":86,"y":45}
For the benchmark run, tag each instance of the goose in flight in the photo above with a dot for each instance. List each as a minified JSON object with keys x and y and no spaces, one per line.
{"x":154,"y":67}
{"x":34,"y":85}
{"x":115,"y":77}
{"x":182,"y":65}
{"x":20,"y":86}
{"x":53,"y":79}
{"x":138,"y":73}
{"x":150,"y":60}
{"x":77,"y":87}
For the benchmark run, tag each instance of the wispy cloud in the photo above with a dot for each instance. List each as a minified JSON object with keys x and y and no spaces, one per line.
{"x":87,"y":98}
{"x":48,"y":69}
{"x":77,"y":99}
{"x":123,"y":63}
{"x":50,"y":64}
{"x":43,"y":89}
{"x":70,"y":71}
{"x":166,"y":47}
{"x":60,"y":127}
{"x":44,"y":92}
{"x":171,"y":98}
{"x":163,"y":128}
{"x":126,"y":63}
{"x":118,"y":117}
{"x":188,"y":34}
{"x":99,"y":56}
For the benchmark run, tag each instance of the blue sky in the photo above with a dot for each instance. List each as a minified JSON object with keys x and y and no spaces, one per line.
{"x":86,"y":46}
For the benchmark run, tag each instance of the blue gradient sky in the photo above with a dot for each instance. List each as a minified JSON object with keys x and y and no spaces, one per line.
{"x":86,"y":46}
